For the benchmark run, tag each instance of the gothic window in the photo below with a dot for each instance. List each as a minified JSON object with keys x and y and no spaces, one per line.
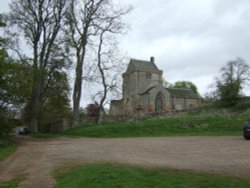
{"x":159,"y":103}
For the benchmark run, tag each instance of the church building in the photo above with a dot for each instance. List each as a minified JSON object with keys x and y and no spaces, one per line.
{"x":143,"y":92}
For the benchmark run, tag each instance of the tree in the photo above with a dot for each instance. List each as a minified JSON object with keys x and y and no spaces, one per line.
{"x":85,"y":21}
{"x":2,"y":25}
{"x":106,"y":63}
{"x":187,"y":85}
{"x":56,"y":105}
{"x":14,"y":78}
{"x":40,"y":22}
{"x":14,"y":82}
{"x":232,"y":79}
{"x":13,"y":86}
{"x":80,"y":19}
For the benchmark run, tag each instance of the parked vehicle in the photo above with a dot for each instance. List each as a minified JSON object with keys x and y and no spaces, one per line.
{"x":22,"y":130}
{"x":246,"y":130}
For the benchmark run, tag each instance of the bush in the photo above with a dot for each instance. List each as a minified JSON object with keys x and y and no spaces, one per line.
{"x":93,"y":109}
{"x":5,"y":127}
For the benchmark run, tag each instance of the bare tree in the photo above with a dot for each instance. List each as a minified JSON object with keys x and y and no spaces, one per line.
{"x":106,"y":62}
{"x":80,"y":18}
{"x":85,"y":21}
{"x":40,"y":21}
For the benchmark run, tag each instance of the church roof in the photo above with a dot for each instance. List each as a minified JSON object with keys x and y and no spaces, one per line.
{"x":182,"y":93}
{"x":146,"y":92}
{"x":141,"y":65}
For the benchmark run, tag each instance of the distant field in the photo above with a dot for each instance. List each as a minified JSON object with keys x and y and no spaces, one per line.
{"x":106,"y":176}
{"x":183,"y":124}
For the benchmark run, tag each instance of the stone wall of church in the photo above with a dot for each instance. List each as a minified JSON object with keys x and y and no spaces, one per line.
{"x":180,"y":104}
{"x":192,"y":103}
{"x":116,"y":108}
{"x":148,"y":79}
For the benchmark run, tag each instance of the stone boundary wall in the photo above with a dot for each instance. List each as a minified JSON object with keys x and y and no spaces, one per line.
{"x":64,"y":124}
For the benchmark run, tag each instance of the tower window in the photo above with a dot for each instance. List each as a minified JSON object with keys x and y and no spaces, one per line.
{"x":148,"y":75}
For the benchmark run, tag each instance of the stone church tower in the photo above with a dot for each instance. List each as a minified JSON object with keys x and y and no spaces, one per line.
{"x":143,"y":91}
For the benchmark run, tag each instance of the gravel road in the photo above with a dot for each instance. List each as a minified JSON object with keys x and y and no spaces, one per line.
{"x":35,"y":159}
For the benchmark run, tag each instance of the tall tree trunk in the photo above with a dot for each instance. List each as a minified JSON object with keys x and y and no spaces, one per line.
{"x":77,"y":93}
{"x":80,"y":41}
{"x":36,"y":100}
{"x":104,"y":84}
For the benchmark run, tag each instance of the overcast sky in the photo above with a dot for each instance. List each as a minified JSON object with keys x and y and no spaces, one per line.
{"x":190,"y":39}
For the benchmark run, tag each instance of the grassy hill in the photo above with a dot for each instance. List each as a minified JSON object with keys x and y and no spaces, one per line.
{"x":206,"y":121}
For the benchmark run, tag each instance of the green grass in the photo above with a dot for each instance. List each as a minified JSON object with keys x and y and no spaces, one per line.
{"x":7,"y":146}
{"x":179,"y":125}
{"x":10,"y":184}
{"x":114,"y":176}
{"x":206,"y":121}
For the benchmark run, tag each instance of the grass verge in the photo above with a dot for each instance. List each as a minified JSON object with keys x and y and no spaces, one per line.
{"x":182,"y":125}
{"x":106,"y":176}
{"x":11,"y":184}
{"x":7,"y":146}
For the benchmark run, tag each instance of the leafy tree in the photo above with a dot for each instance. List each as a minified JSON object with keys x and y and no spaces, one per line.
{"x":56,"y":105}
{"x":14,"y":82}
{"x":187,"y":85}
{"x":232,"y":79}
{"x":12,"y":86}
{"x":40,"y":22}
{"x":2,"y":25}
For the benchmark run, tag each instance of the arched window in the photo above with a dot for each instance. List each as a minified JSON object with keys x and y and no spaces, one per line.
{"x":159,"y":103}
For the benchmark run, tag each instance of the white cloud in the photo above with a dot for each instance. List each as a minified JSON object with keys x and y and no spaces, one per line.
{"x":190,"y":39}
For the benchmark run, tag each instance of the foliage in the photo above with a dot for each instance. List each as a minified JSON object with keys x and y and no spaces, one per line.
{"x":7,"y":146}
{"x":40,"y":22}
{"x":14,"y":82}
{"x":56,"y":105}
{"x":103,"y":175}
{"x":2,"y":25}
{"x":187,"y":85}
{"x":11,"y":184}
{"x":93,"y":109}
{"x":229,"y":93}
{"x":232,"y":79}
{"x":5,"y":127}
{"x":186,"y":125}
{"x":210,"y":120}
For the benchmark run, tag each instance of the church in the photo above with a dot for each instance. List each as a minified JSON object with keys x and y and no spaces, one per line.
{"x":143,"y":92}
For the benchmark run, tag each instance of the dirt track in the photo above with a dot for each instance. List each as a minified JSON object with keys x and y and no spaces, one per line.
{"x":35,"y":159}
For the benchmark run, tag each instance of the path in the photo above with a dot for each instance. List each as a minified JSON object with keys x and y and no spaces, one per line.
{"x":35,"y":159}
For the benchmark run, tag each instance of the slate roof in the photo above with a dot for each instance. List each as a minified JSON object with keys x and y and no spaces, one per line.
{"x":141,"y":65}
{"x":182,"y":93}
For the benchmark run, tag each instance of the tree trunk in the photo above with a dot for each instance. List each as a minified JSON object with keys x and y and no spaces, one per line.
{"x":77,"y":91}
{"x":35,"y":108}
{"x":100,"y":117}
{"x":36,"y":99}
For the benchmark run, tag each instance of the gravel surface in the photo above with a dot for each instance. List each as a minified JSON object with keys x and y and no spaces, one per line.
{"x":35,"y":159}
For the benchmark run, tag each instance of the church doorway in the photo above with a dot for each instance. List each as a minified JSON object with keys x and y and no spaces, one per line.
{"x":159,"y":103}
